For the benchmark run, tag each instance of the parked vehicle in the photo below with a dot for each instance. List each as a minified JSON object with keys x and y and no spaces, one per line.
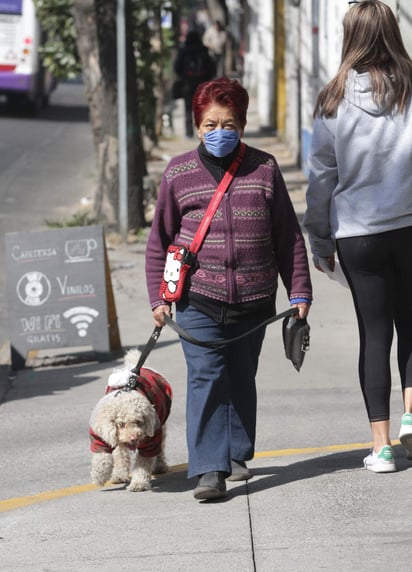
{"x":23,"y":79}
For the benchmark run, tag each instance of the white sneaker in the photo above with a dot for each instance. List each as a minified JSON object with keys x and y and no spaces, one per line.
{"x":405,"y":434}
{"x":381,"y":462}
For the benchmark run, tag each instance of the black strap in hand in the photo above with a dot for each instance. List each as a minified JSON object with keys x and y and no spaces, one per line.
{"x":147,"y":349}
{"x":220,"y":343}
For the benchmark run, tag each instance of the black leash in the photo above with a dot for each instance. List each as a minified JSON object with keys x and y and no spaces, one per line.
{"x":135,"y":372}
{"x":136,"y":381}
{"x":220,"y":343}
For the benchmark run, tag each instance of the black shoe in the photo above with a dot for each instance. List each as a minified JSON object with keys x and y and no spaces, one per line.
{"x":211,"y":486}
{"x":240,"y":472}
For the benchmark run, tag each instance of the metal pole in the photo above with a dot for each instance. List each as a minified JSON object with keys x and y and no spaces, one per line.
{"x":315,"y":49}
{"x":122,"y":118}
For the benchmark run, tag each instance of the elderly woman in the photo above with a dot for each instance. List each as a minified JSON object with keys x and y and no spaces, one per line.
{"x":253,"y":237}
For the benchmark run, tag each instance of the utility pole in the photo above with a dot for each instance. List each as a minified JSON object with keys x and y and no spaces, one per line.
{"x":122,"y":119}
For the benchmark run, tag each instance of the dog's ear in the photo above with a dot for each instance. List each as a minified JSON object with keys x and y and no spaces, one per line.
{"x":151,"y":421}
{"x":104,"y":425}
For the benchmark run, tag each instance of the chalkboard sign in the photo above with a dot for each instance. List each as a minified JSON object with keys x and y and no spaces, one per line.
{"x":59,"y":291}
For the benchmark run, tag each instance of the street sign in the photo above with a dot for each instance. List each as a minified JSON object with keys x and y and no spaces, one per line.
{"x":59,"y":292}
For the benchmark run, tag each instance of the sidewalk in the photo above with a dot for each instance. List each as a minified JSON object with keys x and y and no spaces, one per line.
{"x":309,"y":506}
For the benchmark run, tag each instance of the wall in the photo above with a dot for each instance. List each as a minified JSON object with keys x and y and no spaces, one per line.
{"x":314,"y":41}
{"x":258,"y":76}
{"x":320,"y":47}
{"x":311,"y":50}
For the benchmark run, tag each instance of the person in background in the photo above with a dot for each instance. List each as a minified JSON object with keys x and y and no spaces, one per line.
{"x":253,"y":239}
{"x":359,"y":204}
{"x":193,"y":66}
{"x":215,"y":39}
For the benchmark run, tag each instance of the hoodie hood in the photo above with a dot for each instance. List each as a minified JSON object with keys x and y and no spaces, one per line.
{"x":358,"y":92}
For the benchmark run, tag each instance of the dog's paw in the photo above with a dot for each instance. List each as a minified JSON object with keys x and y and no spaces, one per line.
{"x":119,"y":477}
{"x":98,"y":479}
{"x":139,"y":486}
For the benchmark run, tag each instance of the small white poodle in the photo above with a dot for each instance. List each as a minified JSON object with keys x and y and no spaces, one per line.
{"x":127,"y":427}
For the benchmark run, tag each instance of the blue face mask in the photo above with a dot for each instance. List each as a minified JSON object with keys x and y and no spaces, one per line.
{"x":221,"y":142}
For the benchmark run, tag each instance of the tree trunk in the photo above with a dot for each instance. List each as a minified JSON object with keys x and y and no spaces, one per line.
{"x":95,"y":23}
{"x":135,"y":150}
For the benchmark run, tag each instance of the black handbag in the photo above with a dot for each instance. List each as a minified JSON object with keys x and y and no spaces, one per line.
{"x":296,"y":339}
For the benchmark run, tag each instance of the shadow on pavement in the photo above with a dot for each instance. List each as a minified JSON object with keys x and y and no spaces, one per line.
{"x":52,"y":380}
{"x":173,"y":482}
{"x":275,"y":476}
{"x":65,"y":372}
{"x":270,"y":477}
{"x":66,"y":113}
{"x":57,"y":112}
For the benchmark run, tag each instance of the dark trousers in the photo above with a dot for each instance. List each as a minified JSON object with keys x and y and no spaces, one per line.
{"x":221,"y":392}
{"x":379,"y":272}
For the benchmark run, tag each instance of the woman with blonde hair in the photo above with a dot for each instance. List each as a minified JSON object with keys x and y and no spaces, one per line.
{"x":359,"y":204}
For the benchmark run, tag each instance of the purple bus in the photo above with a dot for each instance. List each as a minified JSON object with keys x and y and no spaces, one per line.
{"x":22,"y":77}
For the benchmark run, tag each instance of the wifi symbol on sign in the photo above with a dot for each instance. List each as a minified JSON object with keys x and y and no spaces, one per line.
{"x":81,"y":317}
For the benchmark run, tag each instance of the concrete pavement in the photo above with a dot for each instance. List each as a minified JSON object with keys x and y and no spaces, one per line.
{"x":310,"y":505}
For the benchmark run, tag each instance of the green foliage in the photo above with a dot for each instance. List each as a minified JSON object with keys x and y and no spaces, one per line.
{"x":153,"y":48}
{"x":59,"y":51}
{"x":81,"y":218}
{"x":152,"y":45}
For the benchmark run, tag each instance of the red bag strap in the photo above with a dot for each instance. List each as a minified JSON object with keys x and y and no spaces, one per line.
{"x":217,"y":197}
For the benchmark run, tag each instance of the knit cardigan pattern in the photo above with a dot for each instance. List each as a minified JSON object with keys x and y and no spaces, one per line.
{"x":253,"y":237}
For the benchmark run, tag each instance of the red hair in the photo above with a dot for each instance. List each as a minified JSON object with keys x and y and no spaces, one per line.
{"x":225,"y":92}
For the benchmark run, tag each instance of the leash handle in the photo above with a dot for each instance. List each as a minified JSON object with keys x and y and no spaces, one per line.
{"x":220,"y":343}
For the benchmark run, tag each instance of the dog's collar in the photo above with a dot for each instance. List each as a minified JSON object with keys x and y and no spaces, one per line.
{"x":133,"y":383}
{"x":142,"y":384}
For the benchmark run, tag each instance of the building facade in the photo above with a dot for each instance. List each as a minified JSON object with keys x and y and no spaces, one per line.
{"x":290,"y":49}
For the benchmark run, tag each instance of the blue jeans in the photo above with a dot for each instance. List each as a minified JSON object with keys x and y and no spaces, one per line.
{"x":221,"y":392}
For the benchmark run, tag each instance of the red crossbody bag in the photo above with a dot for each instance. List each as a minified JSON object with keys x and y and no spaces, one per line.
{"x":181,"y":259}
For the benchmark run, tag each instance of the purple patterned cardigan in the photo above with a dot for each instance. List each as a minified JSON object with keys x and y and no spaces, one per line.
{"x":254,"y":236}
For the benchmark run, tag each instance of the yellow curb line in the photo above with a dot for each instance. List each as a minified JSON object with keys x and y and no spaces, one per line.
{"x":20,"y":502}
{"x":308,"y":450}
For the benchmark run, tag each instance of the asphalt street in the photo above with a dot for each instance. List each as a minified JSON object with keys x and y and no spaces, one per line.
{"x":47,"y":168}
{"x":310,"y":505}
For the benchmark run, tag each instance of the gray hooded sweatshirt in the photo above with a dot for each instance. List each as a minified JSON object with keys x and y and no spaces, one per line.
{"x":360,"y":179}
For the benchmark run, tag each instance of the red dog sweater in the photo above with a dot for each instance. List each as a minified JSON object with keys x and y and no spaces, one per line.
{"x":158,"y":391}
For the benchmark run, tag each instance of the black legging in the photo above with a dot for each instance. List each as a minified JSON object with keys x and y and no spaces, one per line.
{"x":379,"y":272}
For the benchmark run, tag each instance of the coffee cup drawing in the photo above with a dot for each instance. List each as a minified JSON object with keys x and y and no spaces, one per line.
{"x":80,"y":250}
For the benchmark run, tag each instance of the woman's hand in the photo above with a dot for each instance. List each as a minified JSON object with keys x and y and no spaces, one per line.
{"x":303,"y":308}
{"x":158,"y":314}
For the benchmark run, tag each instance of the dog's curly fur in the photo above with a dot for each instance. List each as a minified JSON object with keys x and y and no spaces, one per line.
{"x":123,"y":421}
